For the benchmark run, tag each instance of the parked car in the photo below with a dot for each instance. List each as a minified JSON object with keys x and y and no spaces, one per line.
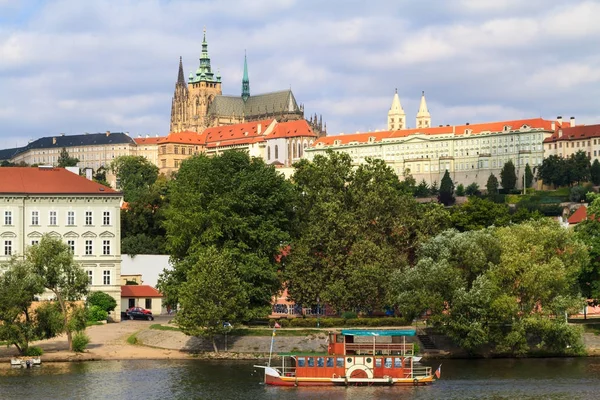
{"x":139,"y":313}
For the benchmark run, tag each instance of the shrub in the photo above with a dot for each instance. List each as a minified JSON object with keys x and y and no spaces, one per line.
{"x":34,"y":351}
{"x":349,"y":315}
{"x":460,"y":190}
{"x":103,"y":300}
{"x":78,"y":319}
{"x":49,"y":320}
{"x":95,"y":313}
{"x":80,"y":342}
{"x":578,"y":193}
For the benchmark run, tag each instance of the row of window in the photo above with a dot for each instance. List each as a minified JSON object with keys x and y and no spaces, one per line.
{"x":53,"y":218}
{"x":89,"y":247}
{"x":582,"y":143}
{"x":106,"y":277}
{"x":388,"y":362}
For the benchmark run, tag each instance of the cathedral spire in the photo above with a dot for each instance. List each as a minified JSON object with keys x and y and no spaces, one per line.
{"x":245,"y":80}
{"x":423,"y":116}
{"x":396,"y":115}
{"x":180,"y":77}
{"x":204,"y":72}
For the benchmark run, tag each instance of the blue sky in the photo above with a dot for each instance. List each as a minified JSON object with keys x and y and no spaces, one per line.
{"x":72,"y":66}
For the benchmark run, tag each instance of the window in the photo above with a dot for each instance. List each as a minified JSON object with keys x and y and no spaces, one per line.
{"x":106,"y":277}
{"x":378,"y":363}
{"x":339,"y":362}
{"x":311,"y":361}
{"x":71,"y":244}
{"x":268,"y":153}
{"x":88,"y":247}
{"x":70,"y":217}
{"x":90,"y":275}
{"x":301,"y":361}
{"x":276,"y":151}
{"x":330,"y":362}
{"x":176,"y":149}
{"x":106,"y":218}
{"x":397,"y":362}
{"x":8,"y":247}
{"x":88,"y":218}
{"x":388,"y":362}
{"x":7,"y":217}
{"x":35,"y":218}
{"x":149,"y":304}
{"x":320,"y":361}
{"x":106,"y":247}
{"x":131,"y":303}
{"x":52,"y":218}
{"x":35,"y":242}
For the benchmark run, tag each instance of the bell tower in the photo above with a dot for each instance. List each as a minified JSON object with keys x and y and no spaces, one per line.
{"x":396,"y":115}
{"x":423,"y":116}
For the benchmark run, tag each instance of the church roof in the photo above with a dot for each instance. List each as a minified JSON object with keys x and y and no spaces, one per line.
{"x":268,"y":103}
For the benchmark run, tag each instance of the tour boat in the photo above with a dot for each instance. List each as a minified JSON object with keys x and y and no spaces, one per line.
{"x":25,"y":362}
{"x":352,"y":358}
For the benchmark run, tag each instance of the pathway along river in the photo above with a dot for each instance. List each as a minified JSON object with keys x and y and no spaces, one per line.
{"x":197,"y":379}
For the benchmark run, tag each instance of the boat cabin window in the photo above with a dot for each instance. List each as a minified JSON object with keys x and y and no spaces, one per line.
{"x":301,"y":361}
{"x":320,"y":361}
{"x":378,"y":363}
{"x":339,"y":362}
{"x":330,"y":361}
{"x":311,"y":361}
{"x":388,"y":362}
{"x":397,"y":362}
{"x":339,"y":338}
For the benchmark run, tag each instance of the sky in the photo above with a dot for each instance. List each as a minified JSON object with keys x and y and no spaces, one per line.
{"x":72,"y":66}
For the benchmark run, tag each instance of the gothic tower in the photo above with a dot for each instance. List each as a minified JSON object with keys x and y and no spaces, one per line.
{"x":245,"y":81}
{"x":423,"y":116}
{"x":396,"y":115}
{"x":189,"y":111}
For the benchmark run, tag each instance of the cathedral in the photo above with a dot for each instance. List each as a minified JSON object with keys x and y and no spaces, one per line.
{"x":200,"y":104}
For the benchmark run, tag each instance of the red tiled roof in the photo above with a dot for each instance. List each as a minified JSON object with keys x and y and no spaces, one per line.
{"x":139,"y":291}
{"x":236,"y":131}
{"x":292,"y":129}
{"x":41,"y":180}
{"x":148,"y":140}
{"x":574,"y":133}
{"x":185,"y":137}
{"x":456,"y":130}
{"x":579,"y":215}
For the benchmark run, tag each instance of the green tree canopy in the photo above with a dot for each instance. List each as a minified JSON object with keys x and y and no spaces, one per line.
{"x":508,"y":176}
{"x":595,"y":172}
{"x":578,"y":166}
{"x":422,"y":189}
{"x":238,"y":205}
{"x":103,"y":300}
{"x":492,"y":185}
{"x":135,"y":175}
{"x":478,"y":214}
{"x":460,"y":190}
{"x":64,"y":160}
{"x":472,"y":189}
{"x":446,"y":194}
{"x":528,"y":176}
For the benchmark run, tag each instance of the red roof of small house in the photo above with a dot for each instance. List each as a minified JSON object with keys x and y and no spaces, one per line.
{"x":139,"y":291}
{"x":579,"y":215}
{"x":185,"y":137}
{"x":148,"y":140}
{"x":577,"y":132}
{"x":48,"y":180}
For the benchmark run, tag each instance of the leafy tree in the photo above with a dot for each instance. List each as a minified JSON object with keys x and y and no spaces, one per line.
{"x":578,"y":193}
{"x":52,"y":260}
{"x":18,"y":286}
{"x":212,"y":294}
{"x":478,"y":214}
{"x":460,"y":190}
{"x":553,"y":171}
{"x":595,"y":172}
{"x":492,"y":185}
{"x":49,"y":319}
{"x":135,"y":175}
{"x":434,"y":190}
{"x":578,"y":166}
{"x":528,"y":176}
{"x":240,"y":206}
{"x":422,"y":189}
{"x":446,"y":193}
{"x":588,"y":232}
{"x":100,"y":176}
{"x":103,"y":300}
{"x":64,"y":160}
{"x":472,"y":189}
{"x":409,"y":184}
{"x":508,"y":176}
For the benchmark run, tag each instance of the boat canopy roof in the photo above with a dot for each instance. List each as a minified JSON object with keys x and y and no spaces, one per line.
{"x":379,"y":332}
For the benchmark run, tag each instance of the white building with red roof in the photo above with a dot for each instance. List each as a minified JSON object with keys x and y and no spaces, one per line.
{"x":568,"y":138}
{"x":82,"y":213}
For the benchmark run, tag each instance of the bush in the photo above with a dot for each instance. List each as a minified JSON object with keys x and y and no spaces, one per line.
{"x":80,"y":342}
{"x":578,"y":193}
{"x":78,"y":319}
{"x":349,"y":315}
{"x":460,"y":190}
{"x":95,"y":313}
{"x":103,"y":300}
{"x":49,"y":320}
{"x":33,"y":351}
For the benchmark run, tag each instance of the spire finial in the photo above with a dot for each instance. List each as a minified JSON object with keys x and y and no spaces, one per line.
{"x":245,"y":80}
{"x":396,"y":90}
{"x":180,"y":77}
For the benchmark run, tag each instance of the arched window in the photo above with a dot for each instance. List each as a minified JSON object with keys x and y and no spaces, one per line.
{"x":299,"y":150}
{"x":269,"y":153}
{"x":294,"y":150}
{"x":276,"y":152}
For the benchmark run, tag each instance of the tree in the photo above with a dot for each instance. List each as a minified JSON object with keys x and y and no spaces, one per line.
{"x":492,"y":185}
{"x":52,"y":260}
{"x":472,"y":189}
{"x":422,"y":189}
{"x":595,"y":172}
{"x":460,"y":190}
{"x":446,"y":193}
{"x":211,"y":295}
{"x":554,"y":171}
{"x":100,"y":176}
{"x":135,"y":175}
{"x":18,"y":286}
{"x":588,"y":232}
{"x":578,"y":166}
{"x":528,"y":176}
{"x":240,"y":206}
{"x":103,"y":300}
{"x":434,"y":190}
{"x":479,"y":214}
{"x":409,"y":184}
{"x":508,"y":176}
{"x":64,"y":160}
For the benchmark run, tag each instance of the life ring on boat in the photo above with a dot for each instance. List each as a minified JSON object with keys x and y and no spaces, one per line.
{"x":334,"y":375}
{"x":416,"y":382}
{"x":359,"y":371}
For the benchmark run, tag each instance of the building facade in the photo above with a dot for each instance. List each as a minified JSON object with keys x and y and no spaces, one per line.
{"x":569,"y":138}
{"x":175,"y":148}
{"x":82,"y":213}
{"x":200,"y":103}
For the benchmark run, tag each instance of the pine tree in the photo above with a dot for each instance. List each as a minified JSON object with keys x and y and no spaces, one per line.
{"x":492,"y":185}
{"x":460,"y":190}
{"x":528,"y":176}
{"x":446,"y":192}
{"x":508,"y":176}
{"x":595,"y":172}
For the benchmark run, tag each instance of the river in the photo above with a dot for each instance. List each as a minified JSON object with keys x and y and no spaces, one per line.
{"x":229,"y":380}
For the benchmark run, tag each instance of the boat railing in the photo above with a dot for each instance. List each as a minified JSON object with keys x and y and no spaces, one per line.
{"x":418,"y":372}
{"x":381,"y":348}
{"x":286,"y":371}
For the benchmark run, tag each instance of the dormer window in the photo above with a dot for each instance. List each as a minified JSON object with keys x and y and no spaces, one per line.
{"x":372,"y":139}
{"x":337,"y":142}
{"x":506,"y":128}
{"x":468,"y":131}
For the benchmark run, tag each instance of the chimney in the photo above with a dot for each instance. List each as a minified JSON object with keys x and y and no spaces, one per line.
{"x":53,"y":140}
{"x":572,"y":122}
{"x":259,"y":129}
{"x":560,"y":132}
{"x":468,"y":123}
{"x":559,"y":119}
{"x":553,"y":125}
{"x":107,"y":133}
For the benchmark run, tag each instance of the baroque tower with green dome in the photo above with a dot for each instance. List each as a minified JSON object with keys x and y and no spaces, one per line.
{"x":200,"y":104}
